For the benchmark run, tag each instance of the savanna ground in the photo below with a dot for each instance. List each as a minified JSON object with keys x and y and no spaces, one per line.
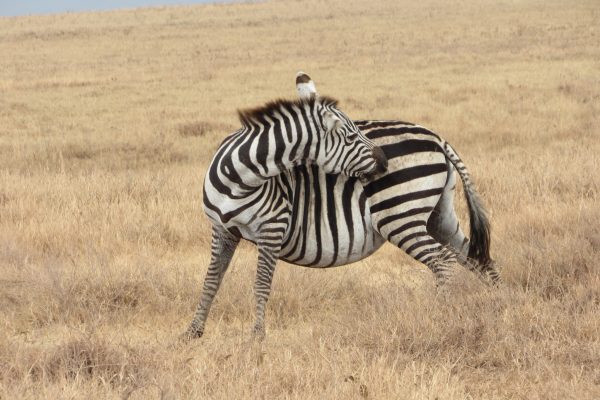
{"x":108,"y":121}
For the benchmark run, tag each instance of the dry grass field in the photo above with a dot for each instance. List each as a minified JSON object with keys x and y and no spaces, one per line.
{"x":107,"y":124}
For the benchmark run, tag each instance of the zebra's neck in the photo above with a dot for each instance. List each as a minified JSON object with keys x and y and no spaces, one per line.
{"x":267,"y":146}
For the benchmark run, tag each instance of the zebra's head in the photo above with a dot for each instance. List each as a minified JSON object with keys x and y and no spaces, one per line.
{"x":346,"y":149}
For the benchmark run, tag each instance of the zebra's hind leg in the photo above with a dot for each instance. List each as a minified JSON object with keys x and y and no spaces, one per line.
{"x":222,"y":248}
{"x":423,"y":247}
{"x":443,"y":223}
{"x":444,"y":226}
{"x":440,"y":260}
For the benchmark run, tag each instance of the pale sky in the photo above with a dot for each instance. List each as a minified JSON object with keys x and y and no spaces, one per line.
{"x":27,"y":7}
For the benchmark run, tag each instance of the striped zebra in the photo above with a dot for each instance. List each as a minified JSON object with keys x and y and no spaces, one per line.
{"x":410,"y":206}
{"x":244,"y":196}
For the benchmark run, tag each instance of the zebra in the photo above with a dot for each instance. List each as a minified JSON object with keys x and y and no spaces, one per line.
{"x":410,"y":206}
{"x":244,"y":198}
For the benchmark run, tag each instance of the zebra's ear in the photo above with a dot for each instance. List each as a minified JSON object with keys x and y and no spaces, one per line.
{"x":305,"y":86}
{"x":331,"y":121}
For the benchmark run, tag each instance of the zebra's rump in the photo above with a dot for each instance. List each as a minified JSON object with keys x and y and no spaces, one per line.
{"x":401,"y":201}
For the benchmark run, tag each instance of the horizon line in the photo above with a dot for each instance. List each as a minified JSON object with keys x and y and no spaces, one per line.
{"x":17,"y":10}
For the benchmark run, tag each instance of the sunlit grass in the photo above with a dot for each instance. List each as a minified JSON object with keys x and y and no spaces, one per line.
{"x":109,"y":120}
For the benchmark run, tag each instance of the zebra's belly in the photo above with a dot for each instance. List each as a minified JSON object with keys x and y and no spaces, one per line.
{"x":330,"y":257}
{"x":331,"y":221}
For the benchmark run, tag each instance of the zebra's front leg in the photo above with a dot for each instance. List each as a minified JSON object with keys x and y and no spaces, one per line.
{"x":268,"y":253}
{"x":222,"y":248}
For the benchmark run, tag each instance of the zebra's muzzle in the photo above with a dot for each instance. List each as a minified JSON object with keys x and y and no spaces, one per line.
{"x":381,"y":164}
{"x":380,"y":160}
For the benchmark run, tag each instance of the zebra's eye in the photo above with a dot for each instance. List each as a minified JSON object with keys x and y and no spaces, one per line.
{"x":352,"y":135}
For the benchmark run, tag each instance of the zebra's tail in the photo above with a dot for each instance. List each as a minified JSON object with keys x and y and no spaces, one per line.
{"x":479,"y":245}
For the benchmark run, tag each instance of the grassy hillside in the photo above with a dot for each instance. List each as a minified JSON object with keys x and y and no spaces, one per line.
{"x":107,"y":124}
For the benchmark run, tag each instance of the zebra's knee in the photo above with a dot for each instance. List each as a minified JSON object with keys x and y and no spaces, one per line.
{"x":444,"y":273}
{"x":442,"y":264}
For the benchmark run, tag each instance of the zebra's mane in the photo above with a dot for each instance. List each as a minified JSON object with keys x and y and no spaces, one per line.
{"x":249,"y":117}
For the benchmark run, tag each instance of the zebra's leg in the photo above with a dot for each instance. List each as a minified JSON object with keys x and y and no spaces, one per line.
{"x":268,"y":253}
{"x":440,"y":260}
{"x":421,"y":246}
{"x":222,"y":248}
{"x":443,"y":223}
{"x":444,"y":226}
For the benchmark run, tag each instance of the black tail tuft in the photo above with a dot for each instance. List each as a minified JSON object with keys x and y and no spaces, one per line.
{"x":479,"y":246}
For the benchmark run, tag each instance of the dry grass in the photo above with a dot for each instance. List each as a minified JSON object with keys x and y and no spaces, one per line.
{"x":108,"y":121}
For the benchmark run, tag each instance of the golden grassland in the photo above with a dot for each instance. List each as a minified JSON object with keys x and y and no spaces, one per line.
{"x":108,"y":121}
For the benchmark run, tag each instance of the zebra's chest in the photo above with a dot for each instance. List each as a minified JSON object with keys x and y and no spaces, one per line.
{"x":248,"y":216}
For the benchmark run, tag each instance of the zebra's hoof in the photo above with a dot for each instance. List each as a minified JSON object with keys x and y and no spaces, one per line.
{"x":190,"y":335}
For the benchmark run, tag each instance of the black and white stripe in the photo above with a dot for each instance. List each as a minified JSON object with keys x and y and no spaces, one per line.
{"x":244,"y":196}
